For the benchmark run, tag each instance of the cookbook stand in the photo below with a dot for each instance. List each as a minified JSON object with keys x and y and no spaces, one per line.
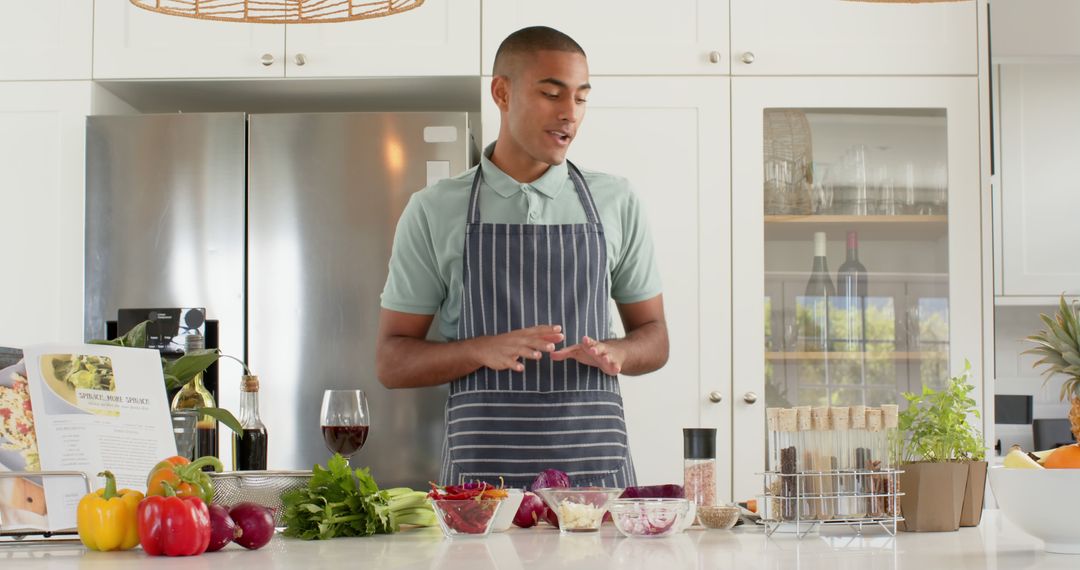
{"x":36,"y":536}
{"x":856,"y":498}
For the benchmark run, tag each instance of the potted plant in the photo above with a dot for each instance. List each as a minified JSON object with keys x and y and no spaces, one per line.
{"x":943,"y":458}
{"x":181,"y":370}
{"x":1059,"y":347}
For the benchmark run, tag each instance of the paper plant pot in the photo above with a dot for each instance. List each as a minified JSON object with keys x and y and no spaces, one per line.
{"x":971,"y":514}
{"x":933,"y":496}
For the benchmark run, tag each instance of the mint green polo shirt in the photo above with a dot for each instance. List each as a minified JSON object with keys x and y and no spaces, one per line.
{"x":426,"y":263}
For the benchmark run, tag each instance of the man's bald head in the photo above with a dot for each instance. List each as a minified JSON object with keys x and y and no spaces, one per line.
{"x":527,"y":41}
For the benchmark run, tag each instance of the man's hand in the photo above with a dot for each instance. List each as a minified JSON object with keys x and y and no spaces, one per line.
{"x":505,"y":351}
{"x":592,"y":352}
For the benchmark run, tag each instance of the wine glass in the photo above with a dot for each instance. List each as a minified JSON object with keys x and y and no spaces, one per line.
{"x":345,"y":421}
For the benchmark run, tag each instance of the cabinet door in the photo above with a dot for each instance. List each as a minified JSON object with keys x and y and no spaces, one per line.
{"x":830,"y":37}
{"x":437,"y":38}
{"x":46,"y":39}
{"x":41,"y":200}
{"x":668,"y":136}
{"x":1040,"y":195}
{"x":683,"y":37}
{"x":886,"y":170}
{"x":133,"y":43}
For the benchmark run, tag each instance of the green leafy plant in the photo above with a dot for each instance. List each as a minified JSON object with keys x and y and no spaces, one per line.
{"x":181,"y":370}
{"x":935,"y":424}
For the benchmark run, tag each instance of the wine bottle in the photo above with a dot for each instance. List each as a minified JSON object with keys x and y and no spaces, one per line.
{"x":851,"y":289}
{"x":194,"y":395}
{"x":250,"y":449}
{"x":817,"y":297}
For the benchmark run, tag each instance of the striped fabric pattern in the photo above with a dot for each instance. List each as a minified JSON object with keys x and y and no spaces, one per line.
{"x":561,"y":415}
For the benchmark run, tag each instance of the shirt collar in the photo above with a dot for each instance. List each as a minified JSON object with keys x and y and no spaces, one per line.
{"x":554,"y":179}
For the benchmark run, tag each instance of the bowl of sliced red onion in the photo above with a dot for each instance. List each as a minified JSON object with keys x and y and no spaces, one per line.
{"x":649,"y":518}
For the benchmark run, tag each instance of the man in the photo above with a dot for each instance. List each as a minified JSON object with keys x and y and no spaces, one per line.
{"x":523,"y":288}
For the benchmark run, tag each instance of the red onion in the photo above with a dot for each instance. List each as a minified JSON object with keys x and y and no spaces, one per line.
{"x":223,"y":529}
{"x":549,"y":478}
{"x":531,"y":510}
{"x":256,"y":521}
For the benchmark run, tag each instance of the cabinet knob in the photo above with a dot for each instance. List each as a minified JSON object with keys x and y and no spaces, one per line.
{"x":267,"y":59}
{"x":715,"y":397}
{"x":749,"y":397}
{"x":300,"y":59}
{"x":748,"y":57}
{"x":714,"y":57}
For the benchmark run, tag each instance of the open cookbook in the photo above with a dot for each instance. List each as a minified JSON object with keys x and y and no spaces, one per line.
{"x":80,"y":408}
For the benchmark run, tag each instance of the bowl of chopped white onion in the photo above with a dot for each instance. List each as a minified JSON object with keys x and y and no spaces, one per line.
{"x":580,"y":509}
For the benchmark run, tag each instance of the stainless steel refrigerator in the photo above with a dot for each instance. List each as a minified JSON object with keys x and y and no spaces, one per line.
{"x":281,"y":226}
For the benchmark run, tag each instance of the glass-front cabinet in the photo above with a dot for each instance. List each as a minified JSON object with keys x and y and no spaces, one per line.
{"x":855,"y":234}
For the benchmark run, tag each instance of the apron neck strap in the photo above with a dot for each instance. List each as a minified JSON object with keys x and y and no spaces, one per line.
{"x":576,"y":177}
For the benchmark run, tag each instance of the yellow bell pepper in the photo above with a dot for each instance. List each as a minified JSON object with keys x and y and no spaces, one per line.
{"x":107,"y":519}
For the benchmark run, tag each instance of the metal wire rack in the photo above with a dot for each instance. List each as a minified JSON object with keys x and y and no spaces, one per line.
{"x":809,"y":499}
{"x":24,"y":536}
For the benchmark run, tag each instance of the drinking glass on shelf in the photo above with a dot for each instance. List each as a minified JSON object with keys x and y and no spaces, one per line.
{"x":821,"y":193}
{"x":345,"y":421}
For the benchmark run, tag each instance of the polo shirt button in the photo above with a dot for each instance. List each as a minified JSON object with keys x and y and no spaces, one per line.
{"x":532,"y":216}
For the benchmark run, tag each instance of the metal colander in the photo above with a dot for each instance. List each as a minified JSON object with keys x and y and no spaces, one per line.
{"x":260,"y":487}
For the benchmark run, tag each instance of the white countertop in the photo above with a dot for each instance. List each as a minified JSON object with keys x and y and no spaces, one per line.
{"x":996,"y":544}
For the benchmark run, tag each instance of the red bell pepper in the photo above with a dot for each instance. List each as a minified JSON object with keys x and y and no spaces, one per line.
{"x":173,"y":526}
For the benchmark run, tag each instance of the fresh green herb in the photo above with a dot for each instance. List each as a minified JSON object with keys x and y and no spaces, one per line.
{"x":341,"y":502}
{"x":936,"y":423}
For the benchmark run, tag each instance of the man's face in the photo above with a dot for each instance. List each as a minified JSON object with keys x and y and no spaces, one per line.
{"x":546,"y":103}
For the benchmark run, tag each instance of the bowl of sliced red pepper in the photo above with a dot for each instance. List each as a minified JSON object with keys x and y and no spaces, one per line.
{"x":466,"y":510}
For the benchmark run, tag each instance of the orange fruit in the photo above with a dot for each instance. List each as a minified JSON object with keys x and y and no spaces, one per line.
{"x":1067,"y":457}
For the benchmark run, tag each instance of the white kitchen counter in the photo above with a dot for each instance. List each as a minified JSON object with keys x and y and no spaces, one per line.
{"x":996,"y":544}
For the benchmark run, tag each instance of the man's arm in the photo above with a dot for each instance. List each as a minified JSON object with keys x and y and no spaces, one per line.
{"x":405,"y":359}
{"x":643,"y":349}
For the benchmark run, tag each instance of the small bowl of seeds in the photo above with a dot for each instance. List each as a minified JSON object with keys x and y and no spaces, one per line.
{"x":718,"y":516}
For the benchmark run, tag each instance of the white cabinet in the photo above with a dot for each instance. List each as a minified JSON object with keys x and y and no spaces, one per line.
{"x":674,"y":37}
{"x":46,"y":39}
{"x":827,"y":37}
{"x":438,"y":38}
{"x":1024,"y":31}
{"x":668,"y":136}
{"x":133,"y":43}
{"x":1040,"y":189}
{"x":894,"y":160}
{"x":41,"y":210}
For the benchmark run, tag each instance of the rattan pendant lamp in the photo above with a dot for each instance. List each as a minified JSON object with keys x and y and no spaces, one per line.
{"x":279,"y":11}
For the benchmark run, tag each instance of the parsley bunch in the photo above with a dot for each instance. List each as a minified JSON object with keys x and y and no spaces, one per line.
{"x":341,"y":502}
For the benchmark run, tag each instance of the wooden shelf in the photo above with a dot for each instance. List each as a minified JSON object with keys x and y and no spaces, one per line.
{"x":907,"y":228}
{"x":781,"y":356}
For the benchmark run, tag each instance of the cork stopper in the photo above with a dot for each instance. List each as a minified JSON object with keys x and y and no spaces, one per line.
{"x":890,"y":416}
{"x":772,"y":419}
{"x":803,"y":418}
{"x":841,"y":417}
{"x":788,"y":420}
{"x":820,"y":418}
{"x":873,"y":420}
{"x":858,"y":417}
{"x":249,"y":383}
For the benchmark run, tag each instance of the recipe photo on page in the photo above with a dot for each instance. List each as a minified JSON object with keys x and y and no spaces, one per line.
{"x":96,"y":408}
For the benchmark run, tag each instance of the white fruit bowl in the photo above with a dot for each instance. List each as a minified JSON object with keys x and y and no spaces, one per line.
{"x":1023,"y":495}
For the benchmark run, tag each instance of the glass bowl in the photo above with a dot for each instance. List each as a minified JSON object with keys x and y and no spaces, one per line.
{"x":465,"y":517}
{"x":649,"y":518}
{"x":580,"y":509}
{"x":718,"y":516}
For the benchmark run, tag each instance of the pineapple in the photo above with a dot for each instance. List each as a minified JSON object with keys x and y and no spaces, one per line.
{"x":1059,"y":347}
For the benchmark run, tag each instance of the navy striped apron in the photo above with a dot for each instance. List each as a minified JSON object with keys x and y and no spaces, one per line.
{"x":553,"y":415}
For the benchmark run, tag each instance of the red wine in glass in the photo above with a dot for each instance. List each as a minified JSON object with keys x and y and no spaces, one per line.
{"x":345,"y":440}
{"x":345,"y":421}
